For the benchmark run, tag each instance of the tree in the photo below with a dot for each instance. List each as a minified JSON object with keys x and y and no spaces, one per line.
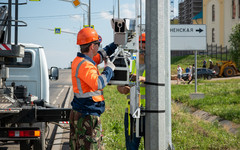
{"x":234,"y":40}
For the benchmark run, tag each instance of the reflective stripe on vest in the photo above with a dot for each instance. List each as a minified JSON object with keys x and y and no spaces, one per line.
{"x":96,"y":95}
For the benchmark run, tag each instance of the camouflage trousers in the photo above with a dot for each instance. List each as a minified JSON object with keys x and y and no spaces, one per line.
{"x":85,"y":132}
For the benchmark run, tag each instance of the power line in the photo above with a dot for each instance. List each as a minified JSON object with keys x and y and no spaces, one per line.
{"x":57,"y":16}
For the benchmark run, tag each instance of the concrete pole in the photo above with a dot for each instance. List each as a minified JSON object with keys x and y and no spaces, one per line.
{"x":158,"y":94}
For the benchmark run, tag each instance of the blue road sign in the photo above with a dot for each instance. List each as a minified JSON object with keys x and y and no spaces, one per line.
{"x":57,"y":30}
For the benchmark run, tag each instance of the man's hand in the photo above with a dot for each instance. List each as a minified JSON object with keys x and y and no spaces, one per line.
{"x":123,"y":89}
{"x":108,"y":63}
{"x":133,"y":78}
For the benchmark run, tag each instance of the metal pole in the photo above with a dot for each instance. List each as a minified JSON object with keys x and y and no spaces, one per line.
{"x":137,"y":57}
{"x":83,"y":19}
{"x":157,"y":135}
{"x":16,"y":22}
{"x":195,"y":62}
{"x":118,"y":9}
{"x":226,"y":53}
{"x":207,"y":49}
{"x":9,"y":20}
{"x":113,"y":8}
{"x":89,"y":13}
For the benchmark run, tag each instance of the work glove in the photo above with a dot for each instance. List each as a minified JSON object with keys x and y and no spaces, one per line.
{"x":108,"y":63}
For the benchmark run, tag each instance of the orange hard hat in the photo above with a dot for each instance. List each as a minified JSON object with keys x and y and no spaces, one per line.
{"x":142,"y":37}
{"x":87,"y":35}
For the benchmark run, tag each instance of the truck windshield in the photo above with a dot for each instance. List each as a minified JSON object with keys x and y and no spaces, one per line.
{"x":24,"y":62}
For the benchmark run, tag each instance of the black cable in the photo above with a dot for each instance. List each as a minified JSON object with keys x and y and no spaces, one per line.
{"x":153,"y":111}
{"x":152,"y":83}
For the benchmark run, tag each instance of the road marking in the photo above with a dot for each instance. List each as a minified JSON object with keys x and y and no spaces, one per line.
{"x":57,"y":144}
{"x":58,"y":96}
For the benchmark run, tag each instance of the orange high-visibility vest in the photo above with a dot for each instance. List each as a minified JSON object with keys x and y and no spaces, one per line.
{"x":85,"y":78}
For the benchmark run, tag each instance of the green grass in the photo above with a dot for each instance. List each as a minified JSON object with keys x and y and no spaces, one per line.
{"x":221,"y":97}
{"x":188,"y":132}
{"x":112,"y":118}
{"x":191,"y":133}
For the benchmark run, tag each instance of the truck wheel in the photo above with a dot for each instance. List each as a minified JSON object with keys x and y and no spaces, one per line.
{"x":25,"y":145}
{"x":40,"y":144}
{"x":229,"y":72}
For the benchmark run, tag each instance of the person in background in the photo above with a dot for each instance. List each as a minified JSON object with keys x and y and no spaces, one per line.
{"x":211,"y":66}
{"x":132,"y":142}
{"x":187,"y":70}
{"x":179,"y":74}
{"x":204,"y":63}
{"x":190,"y":73}
{"x":88,"y":102}
{"x":193,"y":74}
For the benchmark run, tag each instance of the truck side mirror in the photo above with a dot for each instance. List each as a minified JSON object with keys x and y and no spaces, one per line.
{"x":54,"y":73}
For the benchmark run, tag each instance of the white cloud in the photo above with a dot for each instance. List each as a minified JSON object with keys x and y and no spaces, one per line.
{"x":76,"y":17}
{"x":106,"y":15}
{"x":127,"y":11}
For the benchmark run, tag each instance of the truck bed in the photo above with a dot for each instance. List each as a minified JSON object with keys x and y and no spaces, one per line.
{"x":6,"y":106}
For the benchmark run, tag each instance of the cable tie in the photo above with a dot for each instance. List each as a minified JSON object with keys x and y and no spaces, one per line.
{"x":152,"y":83}
{"x":153,"y":111}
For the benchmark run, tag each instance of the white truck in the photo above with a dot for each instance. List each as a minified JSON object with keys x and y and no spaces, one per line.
{"x":24,"y":90}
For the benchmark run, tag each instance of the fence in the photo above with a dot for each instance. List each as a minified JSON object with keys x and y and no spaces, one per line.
{"x":218,"y":52}
{"x":214,"y":51}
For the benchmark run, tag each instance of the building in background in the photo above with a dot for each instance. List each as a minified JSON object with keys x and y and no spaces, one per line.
{"x":220,"y":16}
{"x":187,"y":9}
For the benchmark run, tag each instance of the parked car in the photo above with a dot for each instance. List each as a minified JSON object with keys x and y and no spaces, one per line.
{"x":201,"y":73}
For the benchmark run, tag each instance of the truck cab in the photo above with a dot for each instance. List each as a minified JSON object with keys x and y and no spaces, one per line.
{"x":31,"y":71}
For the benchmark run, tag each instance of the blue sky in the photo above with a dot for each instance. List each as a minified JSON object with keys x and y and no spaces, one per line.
{"x":61,"y":48}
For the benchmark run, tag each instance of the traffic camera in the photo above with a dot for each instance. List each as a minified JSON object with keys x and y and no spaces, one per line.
{"x":124,"y":32}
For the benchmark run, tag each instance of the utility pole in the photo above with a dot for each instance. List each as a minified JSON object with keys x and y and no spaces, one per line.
{"x":158,"y":88}
{"x":89,"y":13}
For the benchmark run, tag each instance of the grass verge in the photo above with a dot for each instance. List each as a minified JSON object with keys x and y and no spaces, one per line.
{"x":188,"y":132}
{"x":221,"y":97}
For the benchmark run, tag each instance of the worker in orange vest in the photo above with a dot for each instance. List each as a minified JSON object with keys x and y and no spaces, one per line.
{"x":132,"y":142}
{"x":88,"y":102}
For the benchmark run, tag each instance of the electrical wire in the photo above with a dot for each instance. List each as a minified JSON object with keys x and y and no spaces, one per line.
{"x":58,"y":16}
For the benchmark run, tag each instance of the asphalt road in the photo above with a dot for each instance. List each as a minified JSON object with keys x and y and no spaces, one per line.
{"x":61,"y":90}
